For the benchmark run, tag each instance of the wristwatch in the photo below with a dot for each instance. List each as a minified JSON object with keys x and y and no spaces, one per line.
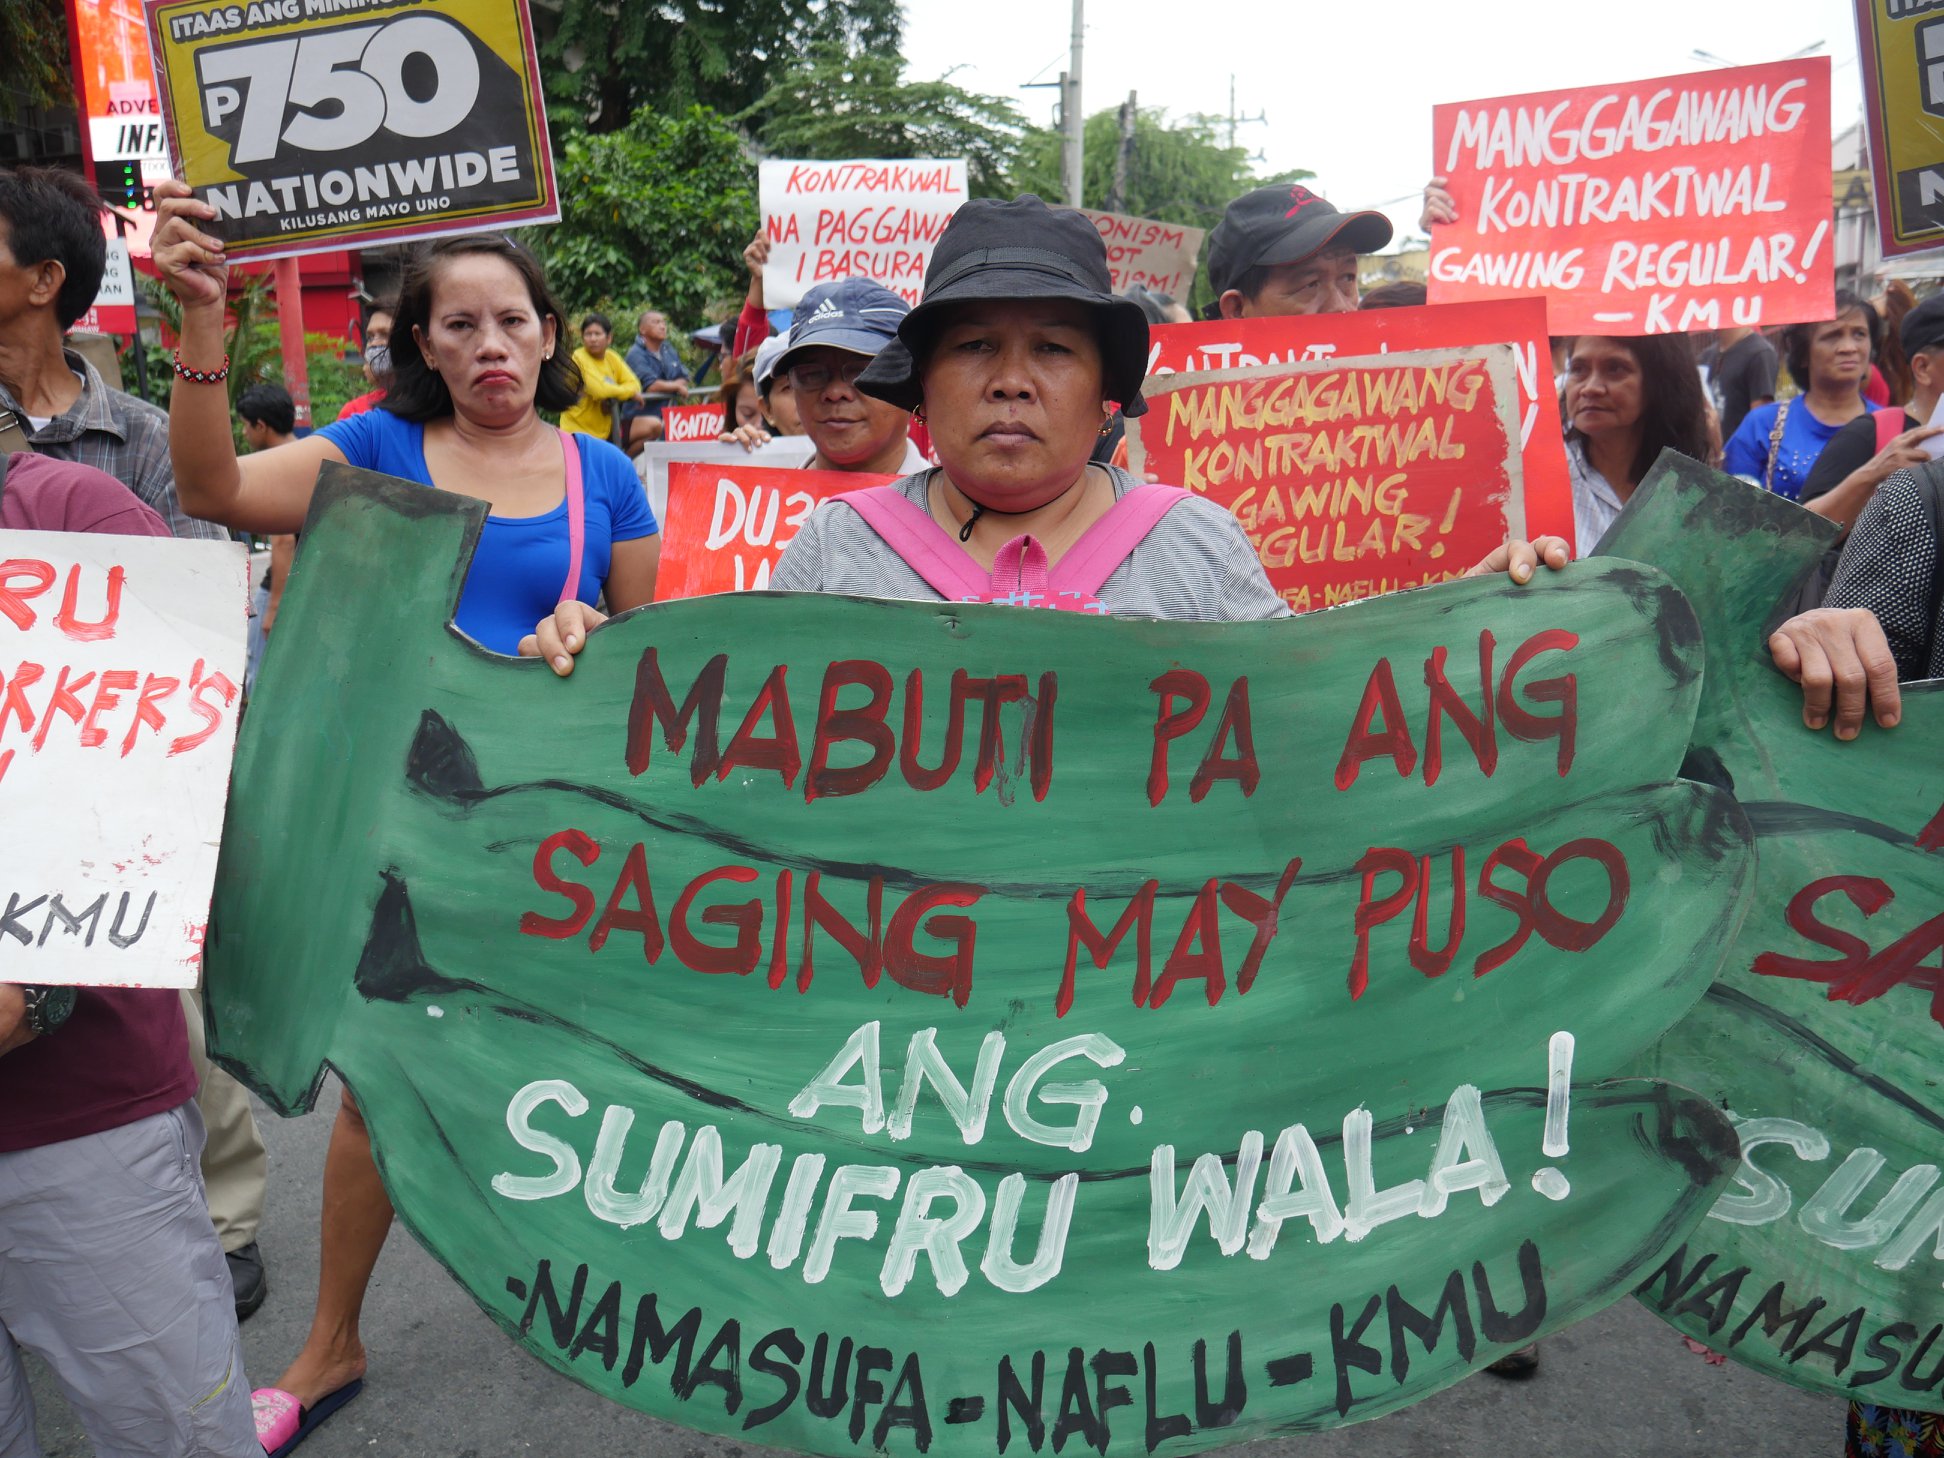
{"x":47,"y":1008}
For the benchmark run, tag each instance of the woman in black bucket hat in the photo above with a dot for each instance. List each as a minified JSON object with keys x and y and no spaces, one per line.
{"x":1018,"y":357}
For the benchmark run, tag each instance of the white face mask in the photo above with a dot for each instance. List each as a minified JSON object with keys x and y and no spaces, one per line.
{"x":377,"y":358}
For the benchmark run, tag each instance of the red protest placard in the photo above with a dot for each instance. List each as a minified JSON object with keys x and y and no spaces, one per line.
{"x":1160,"y":257}
{"x":1686,"y":202}
{"x":682,"y":423}
{"x":1353,"y":477}
{"x":1223,"y":344}
{"x":726,"y":525}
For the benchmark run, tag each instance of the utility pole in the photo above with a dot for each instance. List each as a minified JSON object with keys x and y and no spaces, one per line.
{"x":1117,"y":194}
{"x":1071,"y":114}
{"x":1234,"y":119}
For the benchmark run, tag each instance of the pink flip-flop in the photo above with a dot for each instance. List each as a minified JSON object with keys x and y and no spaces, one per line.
{"x":282,"y":1422}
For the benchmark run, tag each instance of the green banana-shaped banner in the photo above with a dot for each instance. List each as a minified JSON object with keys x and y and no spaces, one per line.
{"x":910,"y":1027}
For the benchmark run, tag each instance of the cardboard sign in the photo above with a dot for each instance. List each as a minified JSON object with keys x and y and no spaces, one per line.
{"x":1823,"y":1266}
{"x":683,"y":423}
{"x":1229,"y":344}
{"x":1160,"y":257}
{"x":1352,"y":477}
{"x":834,"y":220}
{"x":121,"y":664}
{"x":727,"y":526}
{"x":312,"y":126}
{"x":1902,"y":46}
{"x":936,"y":1028}
{"x":1686,"y":202}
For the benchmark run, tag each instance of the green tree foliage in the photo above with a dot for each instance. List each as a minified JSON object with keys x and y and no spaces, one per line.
{"x":250,"y":339}
{"x":655,"y":213}
{"x":1176,"y":173}
{"x":33,"y":38}
{"x":603,"y":60}
{"x":834,"y":105}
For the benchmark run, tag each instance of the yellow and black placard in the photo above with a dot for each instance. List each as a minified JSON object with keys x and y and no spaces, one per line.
{"x":1902,"y":43}
{"x":319,"y":124}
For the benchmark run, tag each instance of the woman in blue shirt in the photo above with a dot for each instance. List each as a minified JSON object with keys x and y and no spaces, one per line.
{"x":1829,"y":362}
{"x":477,"y":353}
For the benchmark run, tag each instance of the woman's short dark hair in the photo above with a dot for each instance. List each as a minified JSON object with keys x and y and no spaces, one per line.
{"x":417,"y":392}
{"x":1797,"y":338}
{"x":55,"y":214}
{"x":1673,"y":411}
{"x":606,"y":324}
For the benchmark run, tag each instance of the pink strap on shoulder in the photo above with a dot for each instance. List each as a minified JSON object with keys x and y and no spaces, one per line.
{"x":908,"y":529}
{"x":576,"y":518}
{"x":1106,"y":544}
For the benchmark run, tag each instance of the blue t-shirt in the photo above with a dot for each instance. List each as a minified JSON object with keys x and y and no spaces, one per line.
{"x":517,"y":572}
{"x":1803,"y":438}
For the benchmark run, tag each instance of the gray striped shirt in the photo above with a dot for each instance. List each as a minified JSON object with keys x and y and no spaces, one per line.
{"x":116,"y":433}
{"x":1197,"y":565}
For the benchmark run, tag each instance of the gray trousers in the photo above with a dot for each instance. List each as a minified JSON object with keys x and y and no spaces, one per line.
{"x":235,"y":1167}
{"x":111,"y":1273}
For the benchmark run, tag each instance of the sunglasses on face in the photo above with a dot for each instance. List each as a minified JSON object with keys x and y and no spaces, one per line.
{"x":812,"y":379}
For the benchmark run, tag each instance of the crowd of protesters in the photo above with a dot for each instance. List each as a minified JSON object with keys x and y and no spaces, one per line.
{"x":998,"y":403}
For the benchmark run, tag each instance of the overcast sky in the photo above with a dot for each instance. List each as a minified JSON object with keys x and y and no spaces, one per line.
{"x":1348,"y":87}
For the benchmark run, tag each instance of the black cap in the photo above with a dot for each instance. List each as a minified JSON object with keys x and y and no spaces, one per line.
{"x":1285,"y":223}
{"x":1021,"y":249}
{"x":1923,"y":326}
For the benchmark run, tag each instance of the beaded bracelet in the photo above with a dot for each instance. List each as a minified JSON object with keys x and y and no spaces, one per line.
{"x":200,"y":377}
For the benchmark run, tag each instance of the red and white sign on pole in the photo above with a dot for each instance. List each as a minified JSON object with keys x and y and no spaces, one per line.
{"x":1683,"y":203}
{"x":832,"y":220}
{"x":1160,"y":257}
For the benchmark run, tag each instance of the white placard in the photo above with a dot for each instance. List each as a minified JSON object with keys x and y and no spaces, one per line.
{"x":833,"y":220}
{"x":651,"y":465}
{"x":121,"y":666}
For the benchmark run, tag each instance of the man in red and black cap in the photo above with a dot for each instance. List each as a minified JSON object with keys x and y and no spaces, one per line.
{"x":1283,"y":250}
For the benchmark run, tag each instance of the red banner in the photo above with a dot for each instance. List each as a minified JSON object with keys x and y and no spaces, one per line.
{"x":726,"y":525}
{"x":1353,"y":477}
{"x":1682,"y":203}
{"x":1226,"y":344}
{"x":682,"y":423}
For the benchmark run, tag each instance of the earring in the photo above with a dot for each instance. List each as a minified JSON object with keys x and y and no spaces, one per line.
{"x":1107,"y":425}
{"x":918,"y":414}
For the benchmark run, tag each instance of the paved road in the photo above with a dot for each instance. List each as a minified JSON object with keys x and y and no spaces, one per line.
{"x":446,"y":1384}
